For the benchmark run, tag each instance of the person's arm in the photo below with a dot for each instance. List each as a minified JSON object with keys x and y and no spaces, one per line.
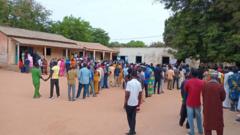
{"x":127,"y":95}
{"x":51,"y":73}
{"x":139,"y":98}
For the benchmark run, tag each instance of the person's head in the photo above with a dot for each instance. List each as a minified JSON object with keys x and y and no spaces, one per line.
{"x":134,"y":74}
{"x":36,"y":64}
{"x":214,"y":75}
{"x":194,"y":72}
{"x":84,"y":64}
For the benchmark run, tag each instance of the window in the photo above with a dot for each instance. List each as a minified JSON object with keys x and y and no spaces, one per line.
{"x":49,"y":51}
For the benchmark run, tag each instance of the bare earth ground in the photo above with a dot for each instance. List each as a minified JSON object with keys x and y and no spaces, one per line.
{"x":103,"y":115}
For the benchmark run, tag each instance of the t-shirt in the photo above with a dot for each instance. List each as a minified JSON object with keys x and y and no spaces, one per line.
{"x":194,"y":88}
{"x":55,"y":70}
{"x":36,"y":73}
{"x":170,"y":74}
{"x":71,"y":76}
{"x":134,"y":87}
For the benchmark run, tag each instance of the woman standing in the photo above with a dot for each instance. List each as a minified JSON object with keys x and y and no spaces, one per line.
{"x":62,"y":67}
{"x":151,"y":82}
{"x":96,"y":79}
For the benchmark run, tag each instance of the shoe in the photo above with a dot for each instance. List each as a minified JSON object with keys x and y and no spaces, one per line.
{"x":51,"y":97}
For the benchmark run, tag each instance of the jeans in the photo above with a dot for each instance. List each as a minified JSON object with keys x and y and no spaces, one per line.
{"x":71,"y":88}
{"x":56,"y":83}
{"x":101,"y":82}
{"x":170,"y":84}
{"x":190,"y":116}
{"x":131,"y":117}
{"x":176,"y":80}
{"x":85,"y":92}
{"x":105,"y":81}
{"x":157,"y":82}
{"x":92,"y":87}
{"x":161,"y":85}
{"x":146,"y":90}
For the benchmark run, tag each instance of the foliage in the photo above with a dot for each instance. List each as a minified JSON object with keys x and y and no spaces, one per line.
{"x":80,"y":30}
{"x":205,"y":29}
{"x":157,"y":44}
{"x":132,"y":43}
{"x":26,"y":14}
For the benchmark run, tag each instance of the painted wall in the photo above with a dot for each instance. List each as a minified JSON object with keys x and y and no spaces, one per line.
{"x":3,"y":48}
{"x":149,"y":55}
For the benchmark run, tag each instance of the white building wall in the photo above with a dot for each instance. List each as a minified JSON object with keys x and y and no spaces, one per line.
{"x":149,"y":55}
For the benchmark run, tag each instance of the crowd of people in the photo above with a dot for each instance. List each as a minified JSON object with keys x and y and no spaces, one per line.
{"x":218,"y":86}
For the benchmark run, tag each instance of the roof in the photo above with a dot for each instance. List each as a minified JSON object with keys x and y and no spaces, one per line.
{"x":94,"y":46}
{"x":46,"y":43}
{"x":23,"y":33}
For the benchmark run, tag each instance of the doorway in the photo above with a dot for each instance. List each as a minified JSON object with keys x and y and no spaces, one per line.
{"x":138,"y":59}
{"x":165,"y":60}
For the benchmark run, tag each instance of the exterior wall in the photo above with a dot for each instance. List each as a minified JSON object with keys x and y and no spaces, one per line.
{"x":107,"y":56}
{"x":3,"y":48}
{"x":149,"y":55}
{"x":98,"y":55}
{"x":11,"y":51}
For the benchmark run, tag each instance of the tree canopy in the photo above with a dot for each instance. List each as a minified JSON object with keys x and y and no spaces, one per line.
{"x":132,"y":43}
{"x":26,"y":14}
{"x":29,"y":14}
{"x":205,"y":29}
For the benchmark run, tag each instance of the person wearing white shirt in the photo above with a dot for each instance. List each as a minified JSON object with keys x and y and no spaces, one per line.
{"x":133,"y":97}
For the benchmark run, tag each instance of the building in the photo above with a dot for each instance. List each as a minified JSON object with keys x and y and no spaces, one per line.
{"x":14,"y":42}
{"x":146,"y":55}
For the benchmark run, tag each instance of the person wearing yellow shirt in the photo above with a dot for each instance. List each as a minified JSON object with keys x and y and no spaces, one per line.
{"x":54,"y":75}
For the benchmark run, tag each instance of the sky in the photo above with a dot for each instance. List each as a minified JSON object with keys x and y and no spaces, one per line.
{"x":124,"y":20}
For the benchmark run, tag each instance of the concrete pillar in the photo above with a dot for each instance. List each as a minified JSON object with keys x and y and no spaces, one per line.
{"x":66,"y":53}
{"x":18,"y":53}
{"x":103,"y":55}
{"x":84,"y":53}
{"x":110,"y":55}
{"x":94,"y":54}
{"x":45,"y":51}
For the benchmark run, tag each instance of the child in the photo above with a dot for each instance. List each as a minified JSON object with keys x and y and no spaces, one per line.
{"x":71,"y":77}
{"x":36,"y":75}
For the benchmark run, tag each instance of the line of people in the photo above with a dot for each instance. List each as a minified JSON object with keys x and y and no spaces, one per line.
{"x":219,"y":88}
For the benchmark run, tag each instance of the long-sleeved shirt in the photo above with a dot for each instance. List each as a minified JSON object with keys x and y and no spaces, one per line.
{"x":84,"y":75}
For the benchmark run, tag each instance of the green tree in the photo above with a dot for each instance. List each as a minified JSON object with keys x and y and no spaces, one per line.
{"x":4,"y":11}
{"x":205,"y":29}
{"x":26,"y":14}
{"x":157,"y":44}
{"x":100,"y":36}
{"x":134,"y":43}
{"x":73,"y":28}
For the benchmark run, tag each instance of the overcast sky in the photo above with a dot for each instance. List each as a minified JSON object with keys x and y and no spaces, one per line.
{"x":124,"y":20}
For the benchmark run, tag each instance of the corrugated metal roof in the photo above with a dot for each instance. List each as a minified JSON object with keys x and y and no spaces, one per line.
{"x":95,"y":46}
{"x":35,"y":42}
{"x":17,"y":32}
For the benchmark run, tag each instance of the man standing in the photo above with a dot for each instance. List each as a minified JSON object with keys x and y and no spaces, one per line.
{"x":83,"y":77}
{"x":158,"y":77}
{"x":194,"y":88}
{"x":133,"y":97}
{"x":213,"y":96}
{"x":36,"y":75}
{"x":170,"y":75}
{"x":226,"y":103}
{"x":54,"y":75}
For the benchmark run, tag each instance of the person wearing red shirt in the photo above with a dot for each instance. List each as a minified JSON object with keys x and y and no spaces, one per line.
{"x":194,"y":87}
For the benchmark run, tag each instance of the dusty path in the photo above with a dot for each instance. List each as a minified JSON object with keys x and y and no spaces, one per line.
{"x":103,"y":115}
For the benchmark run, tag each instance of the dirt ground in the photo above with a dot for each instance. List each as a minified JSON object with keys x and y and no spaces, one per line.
{"x":20,"y":114}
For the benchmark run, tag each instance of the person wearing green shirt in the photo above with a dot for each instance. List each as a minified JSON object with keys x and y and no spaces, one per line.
{"x":36,"y":75}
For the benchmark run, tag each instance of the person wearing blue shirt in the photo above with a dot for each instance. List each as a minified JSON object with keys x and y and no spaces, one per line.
{"x":83,"y":79}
